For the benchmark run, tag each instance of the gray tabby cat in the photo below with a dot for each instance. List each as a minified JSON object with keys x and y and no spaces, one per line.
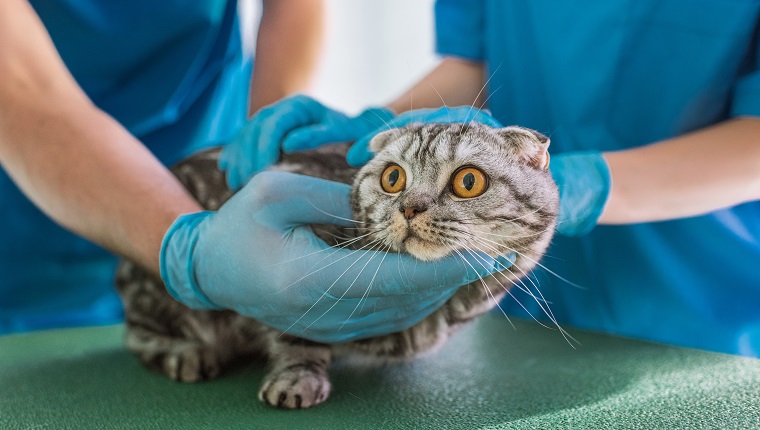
{"x":430,"y":190}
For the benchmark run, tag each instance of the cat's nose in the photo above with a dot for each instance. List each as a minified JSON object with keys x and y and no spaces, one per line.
{"x":412,"y":211}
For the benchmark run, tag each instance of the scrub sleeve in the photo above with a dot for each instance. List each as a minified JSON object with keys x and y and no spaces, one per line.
{"x":174,"y":74}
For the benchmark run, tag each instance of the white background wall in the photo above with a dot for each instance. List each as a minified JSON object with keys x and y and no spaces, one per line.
{"x":374,"y":49}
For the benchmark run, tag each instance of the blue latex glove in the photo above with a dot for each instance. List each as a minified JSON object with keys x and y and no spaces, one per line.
{"x":584,"y":184}
{"x":256,"y":256}
{"x":292,"y":124}
{"x":359,"y":154}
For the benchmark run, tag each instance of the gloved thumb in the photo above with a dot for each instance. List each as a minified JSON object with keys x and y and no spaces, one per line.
{"x":313,"y":137}
{"x":359,"y":154}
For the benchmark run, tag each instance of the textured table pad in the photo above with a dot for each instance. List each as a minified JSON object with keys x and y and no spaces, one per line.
{"x":489,"y":376}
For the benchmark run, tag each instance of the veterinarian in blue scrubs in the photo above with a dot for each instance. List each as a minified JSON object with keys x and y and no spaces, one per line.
{"x":669,"y":93}
{"x":95,"y":98}
{"x":652,"y":108}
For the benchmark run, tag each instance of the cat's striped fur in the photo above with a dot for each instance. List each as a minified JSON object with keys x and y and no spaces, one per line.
{"x":517,"y":213}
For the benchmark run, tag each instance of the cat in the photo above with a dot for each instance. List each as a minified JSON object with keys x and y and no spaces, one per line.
{"x":430,"y":190}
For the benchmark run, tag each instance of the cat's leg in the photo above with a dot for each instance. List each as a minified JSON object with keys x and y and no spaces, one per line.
{"x":181,"y":359}
{"x":298,"y":376}
{"x":184,"y":344}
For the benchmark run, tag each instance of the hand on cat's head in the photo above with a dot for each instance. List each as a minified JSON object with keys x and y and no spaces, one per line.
{"x":361,"y":152}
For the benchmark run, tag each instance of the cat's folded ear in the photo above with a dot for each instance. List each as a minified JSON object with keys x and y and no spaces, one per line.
{"x":382,"y":139}
{"x":528,"y":145}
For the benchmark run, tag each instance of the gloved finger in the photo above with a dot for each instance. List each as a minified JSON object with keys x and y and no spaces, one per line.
{"x":270,"y":133}
{"x":228,"y":166}
{"x":257,"y":146}
{"x":359,"y":153}
{"x":235,"y":164}
{"x":313,"y":137}
{"x":263,"y":158}
{"x":273,"y":123}
{"x":239,"y":158}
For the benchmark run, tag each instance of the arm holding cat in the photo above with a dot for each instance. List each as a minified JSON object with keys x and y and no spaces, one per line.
{"x":76,"y":163}
{"x":688,"y":175}
{"x":72,"y":159}
{"x":710,"y":169}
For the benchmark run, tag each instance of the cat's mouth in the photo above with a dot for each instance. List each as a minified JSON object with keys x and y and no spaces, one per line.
{"x":421,"y":248}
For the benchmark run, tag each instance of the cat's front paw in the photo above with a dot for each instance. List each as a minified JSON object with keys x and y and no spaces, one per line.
{"x":295,"y":387}
{"x":190,"y":364}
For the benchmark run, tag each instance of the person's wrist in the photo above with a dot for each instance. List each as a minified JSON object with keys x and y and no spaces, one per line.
{"x":176,"y":261}
{"x":584,"y":183}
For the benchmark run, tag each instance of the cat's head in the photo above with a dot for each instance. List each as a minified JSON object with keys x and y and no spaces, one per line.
{"x":436,"y":189}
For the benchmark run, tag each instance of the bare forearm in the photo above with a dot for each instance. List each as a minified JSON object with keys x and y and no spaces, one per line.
{"x":287,"y":49}
{"x":453,"y":82}
{"x":73,"y":161}
{"x":690,"y":175}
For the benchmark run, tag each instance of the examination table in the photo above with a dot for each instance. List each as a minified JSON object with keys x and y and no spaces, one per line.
{"x":491,"y":375}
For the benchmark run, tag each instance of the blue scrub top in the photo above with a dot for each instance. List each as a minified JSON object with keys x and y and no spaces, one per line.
{"x":174,"y":74}
{"x":619,"y":74}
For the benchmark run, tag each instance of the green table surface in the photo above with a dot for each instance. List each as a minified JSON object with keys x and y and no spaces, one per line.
{"x":490,"y":375}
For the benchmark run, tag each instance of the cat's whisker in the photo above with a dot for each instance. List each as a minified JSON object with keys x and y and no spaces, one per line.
{"x":485,"y":85}
{"x":531,"y":260}
{"x":558,"y":276}
{"x":334,"y":249}
{"x":369,"y":286}
{"x":465,"y":233}
{"x":548,"y":311}
{"x":485,"y":286}
{"x":508,"y":291}
{"x":324,"y":293}
{"x":363,"y":228}
{"x":388,"y":126}
{"x":364,"y":247}
{"x":522,"y":286}
{"x":491,"y":93}
{"x":340,"y":245}
{"x":496,"y":234}
{"x":369,"y":230}
{"x":545,"y":308}
{"x":539,"y":233}
{"x":505,"y":219}
{"x":336,"y":216}
{"x":440,"y":97}
{"x":369,"y":260}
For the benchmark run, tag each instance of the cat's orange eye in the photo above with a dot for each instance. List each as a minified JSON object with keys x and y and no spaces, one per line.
{"x":394,"y":179}
{"x":468,"y":182}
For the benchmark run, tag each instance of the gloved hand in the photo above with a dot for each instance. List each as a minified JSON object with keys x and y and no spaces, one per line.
{"x":292,"y":124}
{"x":584,"y":185}
{"x":359,"y":154}
{"x":256,"y":256}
